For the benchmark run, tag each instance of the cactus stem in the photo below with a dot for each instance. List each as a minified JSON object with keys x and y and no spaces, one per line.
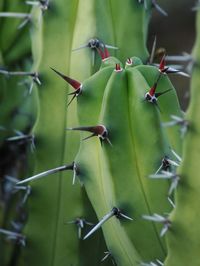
{"x":158,"y":8}
{"x":80,"y":223}
{"x":114,"y":212}
{"x":159,"y":219}
{"x":21,"y":239}
{"x":49,"y":172}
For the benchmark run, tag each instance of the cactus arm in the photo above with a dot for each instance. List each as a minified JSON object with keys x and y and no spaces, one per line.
{"x":134,"y":186}
{"x":111,"y":170}
{"x":184,"y":234}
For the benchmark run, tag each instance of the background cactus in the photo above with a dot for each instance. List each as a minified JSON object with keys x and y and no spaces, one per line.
{"x":112,"y":176}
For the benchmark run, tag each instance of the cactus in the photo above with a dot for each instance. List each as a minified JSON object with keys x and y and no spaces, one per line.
{"x":104,"y":146}
{"x":184,"y":233}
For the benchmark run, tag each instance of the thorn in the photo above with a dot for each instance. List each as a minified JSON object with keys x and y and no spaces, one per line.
{"x":161,"y":93}
{"x":49,"y":172}
{"x":43,"y":4}
{"x":80,"y":223}
{"x":75,"y":173}
{"x":99,"y":131}
{"x":150,"y":96}
{"x":157,"y":263}
{"x":176,"y":120}
{"x":25,"y":16}
{"x":14,"y":236}
{"x":176,"y":155}
{"x":27,"y":190}
{"x":170,"y":70}
{"x":118,"y":68}
{"x":162,"y":65}
{"x":159,"y":219}
{"x":129,"y":62}
{"x":74,"y":83}
{"x":22,"y":138}
{"x":108,"y":255}
{"x":158,"y":8}
{"x":171,"y":202}
{"x":166,"y":164}
{"x":94,"y":44}
{"x":103,"y":54}
{"x":153,"y":51}
{"x":114,"y":212}
{"x":167,"y":175}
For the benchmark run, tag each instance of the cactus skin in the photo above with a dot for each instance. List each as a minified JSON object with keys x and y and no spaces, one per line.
{"x":184,"y":233}
{"x":117,"y":176}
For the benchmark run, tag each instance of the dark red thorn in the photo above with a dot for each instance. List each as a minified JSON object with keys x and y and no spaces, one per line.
{"x":153,"y":90}
{"x":104,"y":54}
{"x":118,"y":67}
{"x":98,"y":130}
{"x":162,"y":64}
{"x":161,"y":93}
{"x":74,"y":83}
{"x":101,"y":53}
{"x":129,"y":61}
